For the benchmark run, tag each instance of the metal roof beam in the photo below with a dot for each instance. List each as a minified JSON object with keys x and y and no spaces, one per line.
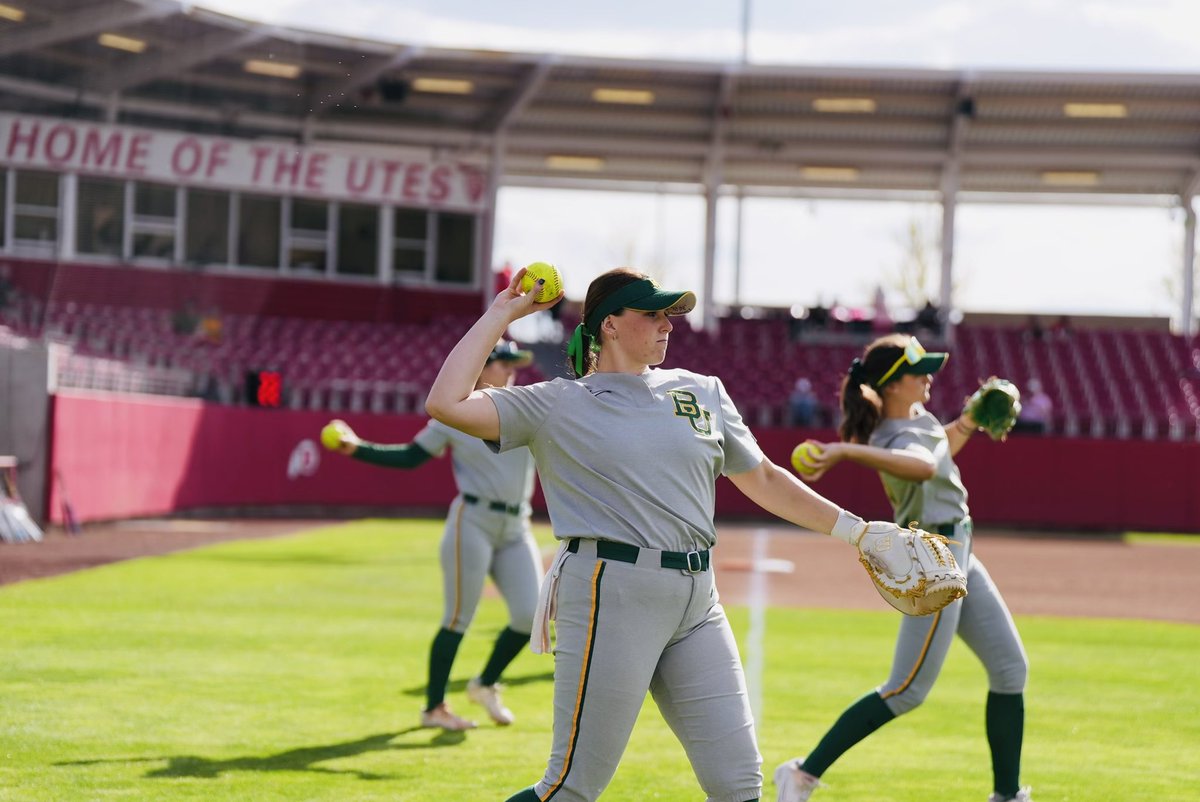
{"x":110,"y":16}
{"x":170,"y":63}
{"x":331,"y":93}
{"x":522,"y":96}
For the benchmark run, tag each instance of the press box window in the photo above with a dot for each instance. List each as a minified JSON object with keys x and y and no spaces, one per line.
{"x":100,"y":217}
{"x":308,"y":235}
{"x":206,"y":237}
{"x":455,"y":248}
{"x":410,"y":241}
{"x":35,"y":209}
{"x":358,"y":240}
{"x":258,"y":231}
{"x":154,"y":221}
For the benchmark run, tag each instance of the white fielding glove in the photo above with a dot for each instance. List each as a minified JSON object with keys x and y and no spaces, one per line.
{"x":913,"y":570}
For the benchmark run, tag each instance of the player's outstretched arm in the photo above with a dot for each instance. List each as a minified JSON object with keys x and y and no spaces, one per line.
{"x":779,"y":492}
{"x":453,"y":399}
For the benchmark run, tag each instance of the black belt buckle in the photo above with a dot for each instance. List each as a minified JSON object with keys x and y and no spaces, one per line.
{"x":694,"y":564}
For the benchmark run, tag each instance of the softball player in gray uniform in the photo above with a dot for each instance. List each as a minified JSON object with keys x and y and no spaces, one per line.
{"x":487,"y":533}
{"x":887,"y":428}
{"x":628,"y":457}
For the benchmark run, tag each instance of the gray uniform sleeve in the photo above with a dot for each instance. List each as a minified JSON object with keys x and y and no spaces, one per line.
{"x":522,"y":411}
{"x":742,"y":452}
{"x":433,"y":438}
{"x":905,"y":440}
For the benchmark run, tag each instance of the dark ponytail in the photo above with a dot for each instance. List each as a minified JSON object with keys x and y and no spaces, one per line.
{"x":862,"y":404}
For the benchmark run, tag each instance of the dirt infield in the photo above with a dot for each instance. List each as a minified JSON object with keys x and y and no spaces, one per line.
{"x":1038,"y":573}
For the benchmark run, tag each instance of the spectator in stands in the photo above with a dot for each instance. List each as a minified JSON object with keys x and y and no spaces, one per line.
{"x":803,"y":404}
{"x":487,"y":533}
{"x":881,"y":322}
{"x":818,"y":317}
{"x":211,"y":327}
{"x":1033,"y":330}
{"x":1036,"y":409}
{"x":185,"y":319}
{"x":929,"y":318}
{"x":1062,"y":328}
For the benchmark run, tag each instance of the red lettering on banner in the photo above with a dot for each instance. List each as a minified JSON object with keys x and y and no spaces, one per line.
{"x":218,"y":156}
{"x":61,"y":141}
{"x":314,"y":174}
{"x":290,"y":169}
{"x":97,"y":151}
{"x":16,"y":138}
{"x":439,"y":183}
{"x":476,"y":183}
{"x":139,"y":149}
{"x":353,"y":184}
{"x":414,"y":181}
{"x":390,"y":168}
{"x":188,"y":149}
{"x":260,"y":154}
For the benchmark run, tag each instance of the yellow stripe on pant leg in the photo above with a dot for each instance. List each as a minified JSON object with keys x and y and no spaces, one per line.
{"x":583,"y":673}
{"x":937,"y":617}
{"x":457,"y":566}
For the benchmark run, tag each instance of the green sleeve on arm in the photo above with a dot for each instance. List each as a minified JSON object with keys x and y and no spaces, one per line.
{"x":405,"y":455}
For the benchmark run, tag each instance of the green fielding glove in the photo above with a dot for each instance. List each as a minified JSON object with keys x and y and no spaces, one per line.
{"x":994,"y":407}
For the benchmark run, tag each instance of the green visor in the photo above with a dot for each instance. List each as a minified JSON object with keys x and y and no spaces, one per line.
{"x":914,"y":361}
{"x":642,"y":295}
{"x":507,"y":351}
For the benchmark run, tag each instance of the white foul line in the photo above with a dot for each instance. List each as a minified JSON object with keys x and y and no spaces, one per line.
{"x":757,"y":601}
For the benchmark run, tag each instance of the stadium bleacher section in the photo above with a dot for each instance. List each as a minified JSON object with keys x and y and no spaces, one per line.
{"x":1104,"y":383}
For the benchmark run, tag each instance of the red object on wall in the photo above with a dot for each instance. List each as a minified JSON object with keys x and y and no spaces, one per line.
{"x":129,"y":456}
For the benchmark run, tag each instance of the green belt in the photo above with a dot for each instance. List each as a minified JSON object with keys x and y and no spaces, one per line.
{"x":693,"y":561}
{"x":947,"y":530}
{"x":494,"y":506}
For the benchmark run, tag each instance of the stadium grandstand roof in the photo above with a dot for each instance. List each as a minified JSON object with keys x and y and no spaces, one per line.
{"x":560,"y":120}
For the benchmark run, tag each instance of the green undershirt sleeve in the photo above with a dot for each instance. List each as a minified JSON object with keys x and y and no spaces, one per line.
{"x":404,"y":455}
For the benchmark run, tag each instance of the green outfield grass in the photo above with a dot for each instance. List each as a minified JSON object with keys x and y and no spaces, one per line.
{"x":292,"y":669}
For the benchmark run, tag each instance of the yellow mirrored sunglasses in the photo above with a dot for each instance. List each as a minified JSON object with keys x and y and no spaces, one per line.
{"x":914,"y":352}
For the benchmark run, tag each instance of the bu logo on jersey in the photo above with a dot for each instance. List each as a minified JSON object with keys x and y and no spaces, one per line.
{"x":687,"y":407}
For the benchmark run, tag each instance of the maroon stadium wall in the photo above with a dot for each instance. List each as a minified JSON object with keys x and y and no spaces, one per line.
{"x":129,"y":456}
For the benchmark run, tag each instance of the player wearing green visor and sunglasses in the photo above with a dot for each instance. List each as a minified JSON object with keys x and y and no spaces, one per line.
{"x":886,"y":427}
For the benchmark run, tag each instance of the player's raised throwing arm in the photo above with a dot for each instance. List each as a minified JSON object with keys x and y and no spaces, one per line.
{"x":453,"y":399}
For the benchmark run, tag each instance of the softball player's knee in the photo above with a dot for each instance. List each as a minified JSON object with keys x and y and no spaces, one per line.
{"x":904,"y":701}
{"x":1009,"y":676}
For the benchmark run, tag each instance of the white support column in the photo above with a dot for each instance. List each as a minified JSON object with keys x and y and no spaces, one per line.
{"x":708,"y":312}
{"x":487,"y":240}
{"x":949,"y":207}
{"x":1187,"y":326}
{"x":737,"y":255}
{"x":385,"y":272}
{"x":67,"y":216}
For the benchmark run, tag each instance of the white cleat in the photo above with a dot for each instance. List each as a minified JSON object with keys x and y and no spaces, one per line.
{"x":794,"y":783}
{"x":489,"y":697}
{"x":440,"y":717}
{"x":1024,"y":795}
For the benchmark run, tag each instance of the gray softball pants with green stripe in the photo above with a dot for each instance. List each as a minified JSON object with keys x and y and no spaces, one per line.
{"x":623,"y":629}
{"x":478,"y":542}
{"x":983,"y":621}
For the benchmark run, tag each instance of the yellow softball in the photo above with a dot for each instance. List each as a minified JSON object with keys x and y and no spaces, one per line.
{"x":553,"y":286}
{"x":805,"y":449}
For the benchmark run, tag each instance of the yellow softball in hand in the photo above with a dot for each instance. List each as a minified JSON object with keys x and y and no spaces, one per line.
{"x":331,"y":434}
{"x":541,"y":270}
{"x":806,"y":449}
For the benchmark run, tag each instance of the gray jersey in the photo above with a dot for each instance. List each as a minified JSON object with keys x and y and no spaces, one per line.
{"x":477,"y":470}
{"x":940,"y":500}
{"x":632,"y":459}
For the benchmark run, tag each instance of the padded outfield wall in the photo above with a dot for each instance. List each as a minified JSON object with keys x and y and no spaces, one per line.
{"x":127,"y":456}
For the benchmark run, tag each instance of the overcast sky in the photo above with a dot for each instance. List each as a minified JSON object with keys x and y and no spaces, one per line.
{"x":1040,"y":259}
